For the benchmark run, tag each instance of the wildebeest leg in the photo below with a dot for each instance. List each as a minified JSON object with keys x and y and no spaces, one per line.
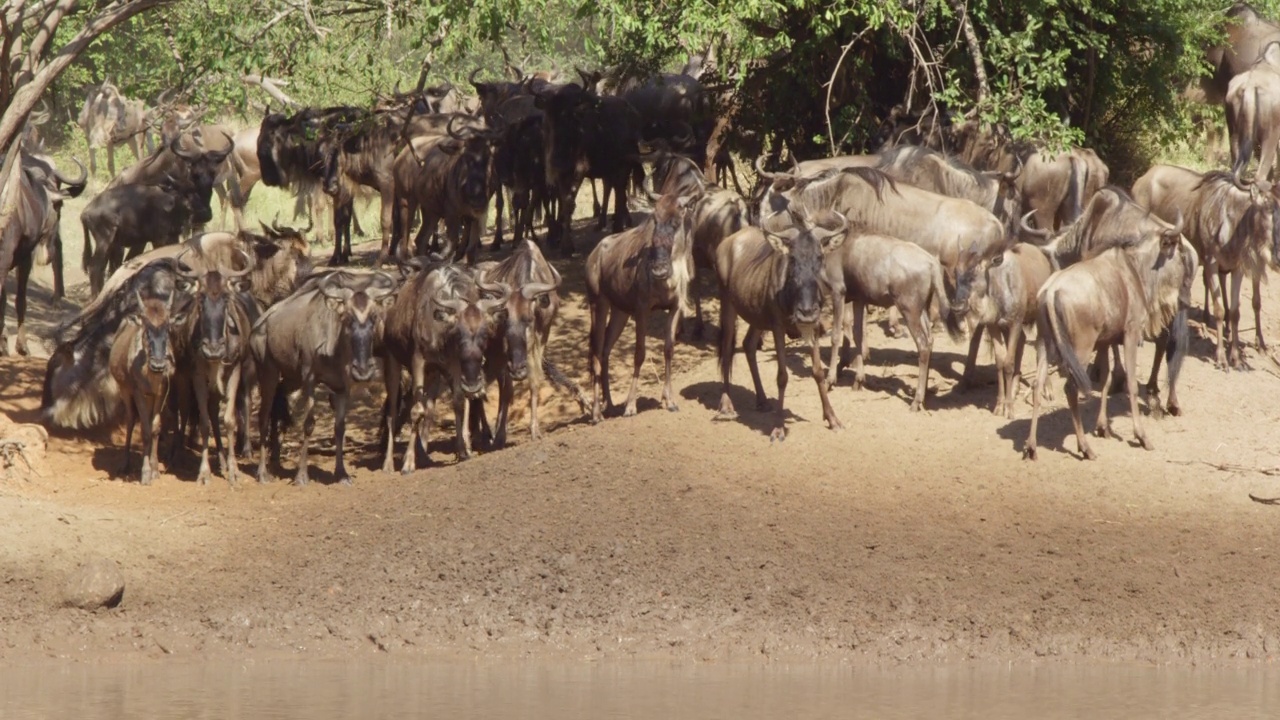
{"x":418,"y":434}
{"x":859,"y":339}
{"x":387,"y":204}
{"x":595,"y":354}
{"x":202,"y":404}
{"x":268,"y":380}
{"x":340,"y":402}
{"x":391,"y":377}
{"x":1004,"y":371}
{"x":820,"y":377}
{"x":1233,"y":317}
{"x":1257,"y":310}
{"x":506,"y":390}
{"x":838,"y":315}
{"x":728,"y":338}
{"x":475,"y":233}
{"x":20,"y":304}
{"x":779,"y":413}
{"x":1153,"y":382}
{"x":642,"y":322}
{"x":1103,"y":427}
{"x":130,"y":414}
{"x":668,"y":348}
{"x":301,"y":477}
{"x":1131,"y":357}
{"x":617,"y":323}
{"x":892,"y":330}
{"x":1016,"y":340}
{"x":1219,"y":299}
{"x":971,"y":360}
{"x":621,"y":215}
{"x":750,"y":346}
{"x":229,"y":412}
{"x":1037,"y":391}
{"x":918,"y":323}
{"x":59,"y":288}
{"x":1073,"y":404}
{"x":111,"y":160}
{"x":499,"y":203}
{"x":462,"y":426}
{"x":148,"y":418}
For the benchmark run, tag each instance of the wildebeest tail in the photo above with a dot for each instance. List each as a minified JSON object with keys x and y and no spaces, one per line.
{"x":1175,"y":349}
{"x":1076,"y":184}
{"x":943,"y":307}
{"x":86,"y":253}
{"x":562,"y":381}
{"x":78,"y":394}
{"x":1067,"y":351}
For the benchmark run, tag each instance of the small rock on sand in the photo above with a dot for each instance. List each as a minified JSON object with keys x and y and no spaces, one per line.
{"x":98,"y":583}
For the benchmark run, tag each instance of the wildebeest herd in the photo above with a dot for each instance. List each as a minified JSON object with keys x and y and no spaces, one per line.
{"x":964,"y":229}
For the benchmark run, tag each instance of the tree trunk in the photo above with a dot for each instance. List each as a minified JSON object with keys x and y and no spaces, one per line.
{"x":975,"y":48}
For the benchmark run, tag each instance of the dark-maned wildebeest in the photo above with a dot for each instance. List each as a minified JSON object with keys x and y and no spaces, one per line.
{"x":223,"y":315}
{"x":931,"y":170}
{"x":439,"y":324}
{"x":327,"y":334}
{"x":1248,"y":35}
{"x":515,"y":351}
{"x":35,"y":157}
{"x":776,"y":283}
{"x":674,"y":108}
{"x":1235,"y":227}
{"x":175,"y":163}
{"x":1118,"y":296}
{"x":142,"y":364}
{"x":1253,"y":114}
{"x":32,"y":235}
{"x":586,"y":135}
{"x":629,"y":275}
{"x":1001,"y":294}
{"x":130,"y":216}
{"x":109,"y":119}
{"x":886,"y":272}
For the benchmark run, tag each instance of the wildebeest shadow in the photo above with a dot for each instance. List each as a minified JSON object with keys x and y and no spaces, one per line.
{"x":744,"y":402}
{"x":1056,"y":433}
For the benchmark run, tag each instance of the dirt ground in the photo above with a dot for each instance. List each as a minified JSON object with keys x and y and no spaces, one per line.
{"x":906,"y":537}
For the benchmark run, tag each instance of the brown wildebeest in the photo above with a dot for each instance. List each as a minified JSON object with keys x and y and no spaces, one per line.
{"x":1253,"y":114}
{"x":1233,"y":226}
{"x":886,"y":272}
{"x":109,"y":120}
{"x":142,"y":364}
{"x":1056,"y":186}
{"x":441,"y":324}
{"x":629,"y":275}
{"x":223,"y":316}
{"x":515,"y":352}
{"x":775,"y":282}
{"x":998,"y":192}
{"x":325,"y":333}
{"x":1002,"y":297}
{"x":1248,"y":36}
{"x":1120,"y":295}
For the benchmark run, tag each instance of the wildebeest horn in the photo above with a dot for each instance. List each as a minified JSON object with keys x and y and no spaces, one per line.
{"x":1017,"y":170}
{"x":330,"y":290}
{"x":455,"y":304}
{"x":180,"y":262}
{"x":1042,"y":234}
{"x":137,"y":294}
{"x":533,"y":290}
{"x":491,"y":304}
{"x":471,"y":79}
{"x":1176,"y":230}
{"x":759,"y":166}
{"x":84,"y":175}
{"x":386,"y":284}
{"x":164,"y":97}
{"x":222,"y":154}
{"x":448,"y":128}
{"x":175,"y":147}
{"x":248,"y":262}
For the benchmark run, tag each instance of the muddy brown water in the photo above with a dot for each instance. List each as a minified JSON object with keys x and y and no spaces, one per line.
{"x":265,"y":690}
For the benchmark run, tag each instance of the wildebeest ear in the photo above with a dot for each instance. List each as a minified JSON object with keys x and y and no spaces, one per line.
{"x":241,"y":284}
{"x":778,"y":242}
{"x":265,"y":250}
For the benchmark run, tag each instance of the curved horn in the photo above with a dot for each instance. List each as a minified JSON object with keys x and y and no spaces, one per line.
{"x":490,"y":304}
{"x":84,"y":175}
{"x":1042,"y":234}
{"x":330,"y":290}
{"x":1176,"y":230}
{"x":471,"y":79}
{"x":175,"y":147}
{"x":137,"y":294}
{"x":248,"y":266}
{"x":455,"y":304}
{"x":163,"y":98}
{"x":221,"y":155}
{"x":759,"y":167}
{"x":448,"y":128}
{"x":179,"y":263}
{"x":533,"y":290}
{"x":386,"y":286}
{"x":1012,"y":175}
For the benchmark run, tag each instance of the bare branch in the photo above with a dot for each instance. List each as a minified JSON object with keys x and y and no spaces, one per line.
{"x":35,"y":50}
{"x":271,"y":87}
{"x":975,"y":49}
{"x":831,"y":83}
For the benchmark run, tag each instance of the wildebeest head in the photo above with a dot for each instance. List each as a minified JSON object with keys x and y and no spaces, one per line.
{"x":283,"y":256}
{"x":221,"y":326}
{"x":520,"y":319}
{"x":969,"y":272}
{"x":668,"y":225}
{"x":197,"y":174}
{"x":469,"y":323}
{"x":800,"y":281}
{"x":155,"y":319}
{"x":360,"y":309}
{"x":473,"y":170}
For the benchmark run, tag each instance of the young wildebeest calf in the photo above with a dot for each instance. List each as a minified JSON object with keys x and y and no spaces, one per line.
{"x":887,"y":272}
{"x":324,"y":333}
{"x":629,"y":275}
{"x":1233,"y":226}
{"x":1001,"y":296}
{"x":775,"y":282}
{"x":1119,"y":295}
{"x":141,"y":363}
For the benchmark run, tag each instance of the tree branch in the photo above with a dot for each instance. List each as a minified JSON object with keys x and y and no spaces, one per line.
{"x":975,"y":48}
{"x":831,"y":83}
{"x":270,"y":87}
{"x":35,"y":50}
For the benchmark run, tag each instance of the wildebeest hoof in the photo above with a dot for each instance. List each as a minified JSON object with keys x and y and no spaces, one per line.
{"x":464,"y":455}
{"x":264,"y":477}
{"x":145,"y":477}
{"x":21,"y":348}
{"x":1174,"y":410}
{"x":203,"y":478}
{"x":344,"y":479}
{"x":4,"y":346}
{"x":1088,"y":452}
{"x":779,"y":434}
{"x":672,"y":407}
{"x":630,"y":411}
{"x":834,"y":424}
{"x":1145,"y":443}
{"x":1029,"y":452}
{"x":1104,"y":431}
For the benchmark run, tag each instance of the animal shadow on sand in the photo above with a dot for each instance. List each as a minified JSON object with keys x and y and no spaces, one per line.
{"x":1056,"y":433}
{"x":901,"y":384}
{"x":744,"y":402}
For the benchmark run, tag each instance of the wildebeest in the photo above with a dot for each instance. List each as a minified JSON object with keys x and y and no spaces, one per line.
{"x":1253,"y":114}
{"x":887,"y":272}
{"x":1248,"y":35}
{"x":515,"y":351}
{"x":1002,"y":297}
{"x":325,"y":333}
{"x":1056,"y":186}
{"x":586,"y":135}
{"x":128,"y":217}
{"x":109,"y":119}
{"x":1233,"y":226}
{"x":776,"y":283}
{"x":223,"y":314}
{"x":1124,"y":293}
{"x":998,"y":192}
{"x":438,"y":325}
{"x":32,"y":236}
{"x":675,"y":108}
{"x":629,"y":275}
{"x":142,"y":364}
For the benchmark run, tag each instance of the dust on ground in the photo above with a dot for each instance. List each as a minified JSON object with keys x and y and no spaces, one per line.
{"x":905,"y":537}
